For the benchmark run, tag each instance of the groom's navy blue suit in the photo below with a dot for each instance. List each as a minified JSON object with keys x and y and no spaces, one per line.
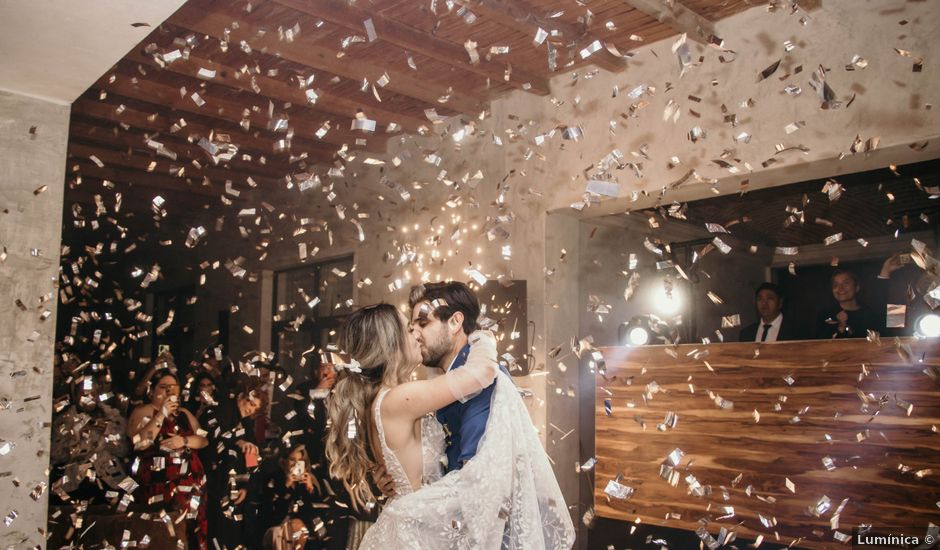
{"x":464,"y":423}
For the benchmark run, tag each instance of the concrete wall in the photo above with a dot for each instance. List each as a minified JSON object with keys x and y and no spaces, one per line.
{"x":891,"y":103}
{"x":33,"y":138}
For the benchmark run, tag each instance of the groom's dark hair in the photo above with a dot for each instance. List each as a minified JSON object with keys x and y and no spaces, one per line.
{"x":454,"y":297}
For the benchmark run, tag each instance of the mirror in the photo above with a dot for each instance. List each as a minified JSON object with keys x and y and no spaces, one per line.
{"x":690,"y":272}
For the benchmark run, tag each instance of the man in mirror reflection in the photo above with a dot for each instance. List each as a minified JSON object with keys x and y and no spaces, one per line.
{"x":772,"y":326}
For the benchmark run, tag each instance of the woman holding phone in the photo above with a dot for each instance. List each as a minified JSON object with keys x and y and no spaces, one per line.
{"x":165,"y":436}
{"x":297,"y":509}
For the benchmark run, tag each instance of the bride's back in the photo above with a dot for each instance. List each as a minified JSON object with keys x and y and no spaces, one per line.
{"x":411,"y":449}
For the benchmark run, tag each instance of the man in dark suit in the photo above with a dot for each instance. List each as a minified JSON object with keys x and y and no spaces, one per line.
{"x":772,"y":326}
{"x":442,"y":319}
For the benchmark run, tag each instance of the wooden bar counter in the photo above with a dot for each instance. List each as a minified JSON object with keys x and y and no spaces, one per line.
{"x":773,"y":431}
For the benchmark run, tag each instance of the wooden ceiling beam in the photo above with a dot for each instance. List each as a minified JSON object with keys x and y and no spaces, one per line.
{"x":258,"y":142}
{"x":306,"y":51}
{"x":411,"y":39}
{"x":132,"y":200}
{"x":327,"y":102}
{"x":520,"y":16}
{"x":677,"y":16}
{"x":131,"y":83}
{"x":146,"y":180}
{"x":109,"y":134}
{"x":140,"y":164}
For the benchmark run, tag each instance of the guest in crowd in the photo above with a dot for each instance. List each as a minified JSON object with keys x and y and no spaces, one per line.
{"x":308,"y":424}
{"x":197,"y":453}
{"x":297,"y":510}
{"x":849,"y":318}
{"x":165,"y":437}
{"x":164,"y":361}
{"x":88,"y":444}
{"x":232,"y":457}
{"x":202,"y":394}
{"x":772,"y":326}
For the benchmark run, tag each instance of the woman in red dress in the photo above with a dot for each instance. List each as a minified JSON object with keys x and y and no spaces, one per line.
{"x":165,"y":437}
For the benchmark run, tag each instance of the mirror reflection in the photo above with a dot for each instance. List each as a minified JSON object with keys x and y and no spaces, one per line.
{"x":843,"y":257}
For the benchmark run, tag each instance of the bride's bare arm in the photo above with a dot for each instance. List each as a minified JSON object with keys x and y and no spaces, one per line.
{"x":415,"y":399}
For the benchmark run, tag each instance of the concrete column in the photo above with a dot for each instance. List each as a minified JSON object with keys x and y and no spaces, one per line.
{"x":33,"y":141}
{"x":564,"y":383}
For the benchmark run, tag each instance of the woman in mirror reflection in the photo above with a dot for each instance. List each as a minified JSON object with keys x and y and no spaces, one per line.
{"x":850,"y":318}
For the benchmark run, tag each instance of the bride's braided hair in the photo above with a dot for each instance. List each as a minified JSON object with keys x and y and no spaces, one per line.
{"x":375,"y":336}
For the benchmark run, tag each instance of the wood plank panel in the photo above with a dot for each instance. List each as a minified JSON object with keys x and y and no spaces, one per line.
{"x":166,"y":167}
{"x":809,"y":398}
{"x":148,"y":116}
{"x":222,"y":103}
{"x":303,"y":51}
{"x":95,"y":132}
{"x":86,"y":169}
{"x":326,"y":102}
{"x":412,"y":39}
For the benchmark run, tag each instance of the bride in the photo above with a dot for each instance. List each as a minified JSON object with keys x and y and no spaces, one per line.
{"x":505,"y":497}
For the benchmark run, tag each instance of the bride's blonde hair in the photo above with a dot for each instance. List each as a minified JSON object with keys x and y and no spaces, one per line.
{"x":376,"y":337}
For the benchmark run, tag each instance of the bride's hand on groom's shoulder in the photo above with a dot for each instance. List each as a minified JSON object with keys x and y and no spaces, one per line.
{"x":482,"y":337}
{"x":484,"y":342}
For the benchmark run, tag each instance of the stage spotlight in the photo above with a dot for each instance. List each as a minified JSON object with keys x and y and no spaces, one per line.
{"x":638,"y":336}
{"x":667,"y":300}
{"x":636,"y":332}
{"x":928,"y":326}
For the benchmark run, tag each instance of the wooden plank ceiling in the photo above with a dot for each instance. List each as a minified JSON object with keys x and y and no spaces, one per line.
{"x":255,"y":91}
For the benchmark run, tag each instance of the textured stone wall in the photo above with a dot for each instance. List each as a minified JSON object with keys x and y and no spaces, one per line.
{"x":33,"y":139}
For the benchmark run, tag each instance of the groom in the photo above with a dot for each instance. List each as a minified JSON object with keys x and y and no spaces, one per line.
{"x":443,"y":315}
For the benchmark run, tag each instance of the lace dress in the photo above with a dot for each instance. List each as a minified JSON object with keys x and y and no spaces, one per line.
{"x":506,"y":497}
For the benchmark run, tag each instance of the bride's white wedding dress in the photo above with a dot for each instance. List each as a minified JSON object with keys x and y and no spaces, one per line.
{"x":506,"y":497}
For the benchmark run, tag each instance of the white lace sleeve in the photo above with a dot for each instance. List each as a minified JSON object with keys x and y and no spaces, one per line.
{"x":480,"y":369}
